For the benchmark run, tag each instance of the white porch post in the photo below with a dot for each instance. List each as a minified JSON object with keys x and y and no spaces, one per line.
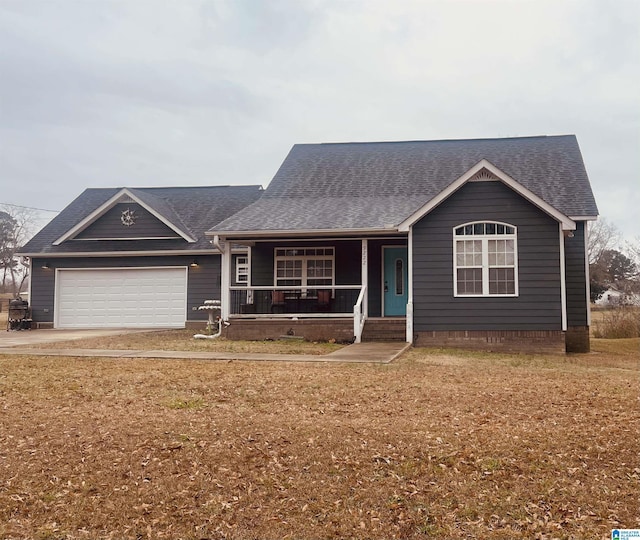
{"x":364,"y":272}
{"x":409,"y":336}
{"x":225,"y":281}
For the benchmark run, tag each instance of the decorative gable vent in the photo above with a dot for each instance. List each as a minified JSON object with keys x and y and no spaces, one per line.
{"x":125,"y":199}
{"x":483,"y":175}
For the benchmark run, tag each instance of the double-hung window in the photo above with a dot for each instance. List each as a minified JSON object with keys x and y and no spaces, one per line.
{"x":307,"y":268}
{"x":485,"y":259}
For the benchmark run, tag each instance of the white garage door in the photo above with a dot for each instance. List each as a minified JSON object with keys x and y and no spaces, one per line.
{"x":121,"y":298}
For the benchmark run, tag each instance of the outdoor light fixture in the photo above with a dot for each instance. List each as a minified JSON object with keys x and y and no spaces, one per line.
{"x":45,"y":265}
{"x":194,"y":263}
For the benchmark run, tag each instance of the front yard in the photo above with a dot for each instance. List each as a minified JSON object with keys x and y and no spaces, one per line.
{"x":437,"y":445}
{"x":182,"y":340}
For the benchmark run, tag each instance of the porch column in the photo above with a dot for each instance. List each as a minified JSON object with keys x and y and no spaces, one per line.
{"x":365,"y":276}
{"x":225,"y":280}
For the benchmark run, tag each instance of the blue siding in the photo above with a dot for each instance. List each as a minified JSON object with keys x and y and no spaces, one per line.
{"x":538,"y":306}
{"x":575,"y":270}
{"x":110,"y":225}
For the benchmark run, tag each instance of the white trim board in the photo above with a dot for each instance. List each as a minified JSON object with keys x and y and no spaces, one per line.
{"x":563,"y":281}
{"x":93,"y":254}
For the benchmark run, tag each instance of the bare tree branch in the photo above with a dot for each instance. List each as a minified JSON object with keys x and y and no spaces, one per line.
{"x":17,"y":225}
{"x":632,"y":249}
{"x":603,"y":236}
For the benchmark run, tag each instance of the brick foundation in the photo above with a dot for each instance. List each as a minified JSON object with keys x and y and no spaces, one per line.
{"x":42,"y":325}
{"x":523,"y":341}
{"x":196,"y":325}
{"x":310,"y":329}
{"x":577,"y":339}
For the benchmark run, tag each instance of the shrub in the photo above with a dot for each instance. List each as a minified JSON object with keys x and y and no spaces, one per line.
{"x":621,"y":322}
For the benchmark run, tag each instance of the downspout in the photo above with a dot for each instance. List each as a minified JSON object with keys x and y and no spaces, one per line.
{"x":27,"y":263}
{"x":216,"y":243}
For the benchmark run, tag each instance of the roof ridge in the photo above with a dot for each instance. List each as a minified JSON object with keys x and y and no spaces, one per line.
{"x":148,"y":188}
{"x":409,"y":141}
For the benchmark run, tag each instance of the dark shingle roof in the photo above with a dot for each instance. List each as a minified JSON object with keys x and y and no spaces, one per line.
{"x":192,"y":209}
{"x":161,"y":207}
{"x":374,"y":185}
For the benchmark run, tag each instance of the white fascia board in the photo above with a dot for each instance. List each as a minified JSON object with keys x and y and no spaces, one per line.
{"x":102,"y":209}
{"x":298,"y":233}
{"x":567,"y":223}
{"x":394,"y":236}
{"x":584,"y":218}
{"x":211,"y":251}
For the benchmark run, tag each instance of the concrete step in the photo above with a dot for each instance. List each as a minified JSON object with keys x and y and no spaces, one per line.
{"x":384,"y":330}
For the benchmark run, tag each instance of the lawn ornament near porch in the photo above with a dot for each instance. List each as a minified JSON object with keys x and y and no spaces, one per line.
{"x":213,"y":308}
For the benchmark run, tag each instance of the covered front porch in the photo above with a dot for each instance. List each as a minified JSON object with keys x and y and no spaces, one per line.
{"x":315,"y":288}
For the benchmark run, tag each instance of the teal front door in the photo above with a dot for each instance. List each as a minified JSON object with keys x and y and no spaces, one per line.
{"x":395,"y":281}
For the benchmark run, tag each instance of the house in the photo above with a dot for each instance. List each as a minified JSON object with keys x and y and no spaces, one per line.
{"x":464,"y":243}
{"x":125,"y":257}
{"x":614,"y":297}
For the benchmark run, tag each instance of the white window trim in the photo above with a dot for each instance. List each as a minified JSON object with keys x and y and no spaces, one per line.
{"x":242,"y":266}
{"x":484,"y":238}
{"x":305,"y":259}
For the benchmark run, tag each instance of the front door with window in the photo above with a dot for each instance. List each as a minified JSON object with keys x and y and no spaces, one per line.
{"x":395,"y":281}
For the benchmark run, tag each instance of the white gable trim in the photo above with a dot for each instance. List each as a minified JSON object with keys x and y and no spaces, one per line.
{"x":567,"y":223}
{"x":584,"y":218}
{"x":101,"y":210}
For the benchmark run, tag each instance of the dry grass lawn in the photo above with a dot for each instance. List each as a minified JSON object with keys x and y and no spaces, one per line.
{"x":182,"y":340}
{"x":437,"y":445}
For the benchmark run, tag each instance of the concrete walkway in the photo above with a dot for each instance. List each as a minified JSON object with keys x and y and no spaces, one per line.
{"x":17,"y":344}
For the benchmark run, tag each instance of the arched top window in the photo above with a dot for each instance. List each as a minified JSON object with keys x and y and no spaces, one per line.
{"x":485,"y":259}
{"x":489,"y":228}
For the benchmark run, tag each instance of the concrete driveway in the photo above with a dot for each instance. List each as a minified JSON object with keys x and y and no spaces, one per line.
{"x":26,"y":338}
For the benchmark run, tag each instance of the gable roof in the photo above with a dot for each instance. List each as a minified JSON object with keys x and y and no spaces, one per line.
{"x":485,"y":171}
{"x":189,"y":211}
{"x":157,"y":206}
{"x":378,"y":186}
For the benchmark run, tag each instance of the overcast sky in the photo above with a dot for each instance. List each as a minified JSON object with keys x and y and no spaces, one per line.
{"x":98,"y":93}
